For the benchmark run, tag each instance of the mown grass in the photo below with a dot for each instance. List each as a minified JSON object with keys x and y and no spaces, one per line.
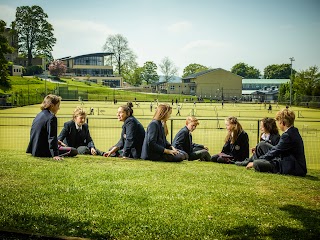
{"x":111,"y":198}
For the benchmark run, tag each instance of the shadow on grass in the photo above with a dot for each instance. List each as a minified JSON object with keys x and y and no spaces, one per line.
{"x":310,"y":220}
{"x":29,"y":227}
{"x":313,"y":178}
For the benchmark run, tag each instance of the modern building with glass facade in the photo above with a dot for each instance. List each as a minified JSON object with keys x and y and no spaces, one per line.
{"x":92,"y":67}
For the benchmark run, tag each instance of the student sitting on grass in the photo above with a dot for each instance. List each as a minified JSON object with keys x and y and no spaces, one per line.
{"x":155,"y":146}
{"x":287,"y":157}
{"x":236,"y":147}
{"x":132,"y":135}
{"x":183,"y":141}
{"x":76,"y":134}
{"x":269,"y":134}
{"x":43,"y":134}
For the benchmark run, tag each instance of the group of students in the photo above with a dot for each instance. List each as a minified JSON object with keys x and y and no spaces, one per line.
{"x":274,"y":153}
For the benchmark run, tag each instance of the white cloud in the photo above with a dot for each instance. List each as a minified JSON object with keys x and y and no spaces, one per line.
{"x":180,"y":27}
{"x":76,"y":37}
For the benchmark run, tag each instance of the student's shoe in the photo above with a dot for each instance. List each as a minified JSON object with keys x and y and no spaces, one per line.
{"x":243,"y":163}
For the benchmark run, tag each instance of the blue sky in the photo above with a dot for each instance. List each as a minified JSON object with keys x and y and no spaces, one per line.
{"x":217,"y":34}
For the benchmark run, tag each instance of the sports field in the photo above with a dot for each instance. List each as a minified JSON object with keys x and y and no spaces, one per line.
{"x":105,"y":128}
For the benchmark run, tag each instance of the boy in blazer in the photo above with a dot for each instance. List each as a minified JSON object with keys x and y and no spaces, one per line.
{"x":183,"y":141}
{"x":76,"y":134}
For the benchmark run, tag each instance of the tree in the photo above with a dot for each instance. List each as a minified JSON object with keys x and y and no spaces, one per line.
{"x":128,"y":71}
{"x":168,"y":69}
{"x":193,"y":68}
{"x":35,"y":33}
{"x":118,"y":45}
{"x":57,"y":68}
{"x":245,"y":71}
{"x":278,"y":71}
{"x":149,"y":73}
{"x":136,"y":76}
{"x":307,"y":82}
{"x":4,"y":49}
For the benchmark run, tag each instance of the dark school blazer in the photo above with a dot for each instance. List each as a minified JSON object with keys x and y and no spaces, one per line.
{"x":183,"y":141}
{"x":43,"y":135}
{"x":239,"y":149}
{"x":69,"y":135}
{"x":288,"y":155}
{"x":132,"y":137}
{"x":154,"y":142}
{"x":273,"y":139}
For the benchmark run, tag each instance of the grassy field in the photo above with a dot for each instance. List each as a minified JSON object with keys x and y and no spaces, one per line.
{"x":110,"y":198}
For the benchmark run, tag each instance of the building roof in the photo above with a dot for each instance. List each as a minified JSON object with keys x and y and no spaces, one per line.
{"x":264,"y":81}
{"x":195,"y":75}
{"x":100,"y":54}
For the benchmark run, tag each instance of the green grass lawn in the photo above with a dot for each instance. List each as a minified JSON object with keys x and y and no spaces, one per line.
{"x":111,"y":198}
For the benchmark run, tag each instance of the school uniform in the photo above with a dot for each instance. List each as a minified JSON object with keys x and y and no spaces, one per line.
{"x":77,"y":137}
{"x":131,"y":139}
{"x":238,"y":151}
{"x":43,"y":135}
{"x":155,"y":142}
{"x":287,"y":157}
{"x":183,"y":141}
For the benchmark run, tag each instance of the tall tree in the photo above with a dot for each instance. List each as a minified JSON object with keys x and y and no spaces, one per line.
{"x":35,"y":33}
{"x":128,"y":71}
{"x":4,"y":49}
{"x":245,"y":71}
{"x":307,"y":82}
{"x":118,"y":45}
{"x":168,"y":69}
{"x":278,"y":71}
{"x":193,"y":68}
{"x":149,"y":73}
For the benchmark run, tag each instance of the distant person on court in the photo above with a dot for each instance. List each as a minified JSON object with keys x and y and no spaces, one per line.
{"x":75,"y":133}
{"x":183,"y":141}
{"x":236,"y":146}
{"x":269,"y":134}
{"x":43,"y":134}
{"x":155,"y":146}
{"x":287,"y":157}
{"x":132,"y":135}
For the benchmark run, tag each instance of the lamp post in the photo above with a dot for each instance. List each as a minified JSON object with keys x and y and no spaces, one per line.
{"x":291,"y":59}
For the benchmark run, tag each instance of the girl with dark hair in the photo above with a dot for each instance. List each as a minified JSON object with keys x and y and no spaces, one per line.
{"x":43,"y":134}
{"x":269,"y":134}
{"x":132,"y":135}
{"x":236,"y":147}
{"x":155,"y":146}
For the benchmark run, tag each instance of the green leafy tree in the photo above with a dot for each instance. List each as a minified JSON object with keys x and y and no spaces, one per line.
{"x":119,"y":46}
{"x":278,"y":71}
{"x":58,"y":68}
{"x":193,"y":68}
{"x":35,"y":33}
{"x":128,"y":71}
{"x":4,"y":49}
{"x":168,"y":69}
{"x":307,"y":82}
{"x":136,"y":76}
{"x":149,"y":73}
{"x":245,"y":71}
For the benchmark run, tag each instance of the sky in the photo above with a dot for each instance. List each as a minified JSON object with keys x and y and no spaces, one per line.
{"x":216,"y":34}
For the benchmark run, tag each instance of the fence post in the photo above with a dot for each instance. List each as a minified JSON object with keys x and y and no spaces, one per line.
{"x":258,"y":132}
{"x":171,"y":130}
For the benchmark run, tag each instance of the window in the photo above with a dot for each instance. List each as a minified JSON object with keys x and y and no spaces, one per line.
{"x":172,"y":87}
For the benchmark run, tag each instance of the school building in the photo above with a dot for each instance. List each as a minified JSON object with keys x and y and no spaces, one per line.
{"x":92,"y":67}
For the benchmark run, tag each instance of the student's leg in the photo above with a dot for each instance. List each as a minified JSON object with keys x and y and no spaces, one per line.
{"x":202,"y":155}
{"x":174,"y":158}
{"x":83,"y":150}
{"x":261,"y":149}
{"x":68,"y":151}
{"x":262,"y":165}
{"x":214,"y":158}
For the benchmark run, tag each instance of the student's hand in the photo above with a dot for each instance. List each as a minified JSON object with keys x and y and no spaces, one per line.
{"x":107,"y":154}
{"x":62,"y":143}
{"x":57,"y":158}
{"x":93,"y":151}
{"x":250,"y":165}
{"x":253,"y":150}
{"x":171,"y":151}
{"x":206,"y":148}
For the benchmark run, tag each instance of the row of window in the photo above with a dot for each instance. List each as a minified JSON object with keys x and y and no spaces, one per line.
{"x":90,"y":60}
{"x":93,"y":72}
